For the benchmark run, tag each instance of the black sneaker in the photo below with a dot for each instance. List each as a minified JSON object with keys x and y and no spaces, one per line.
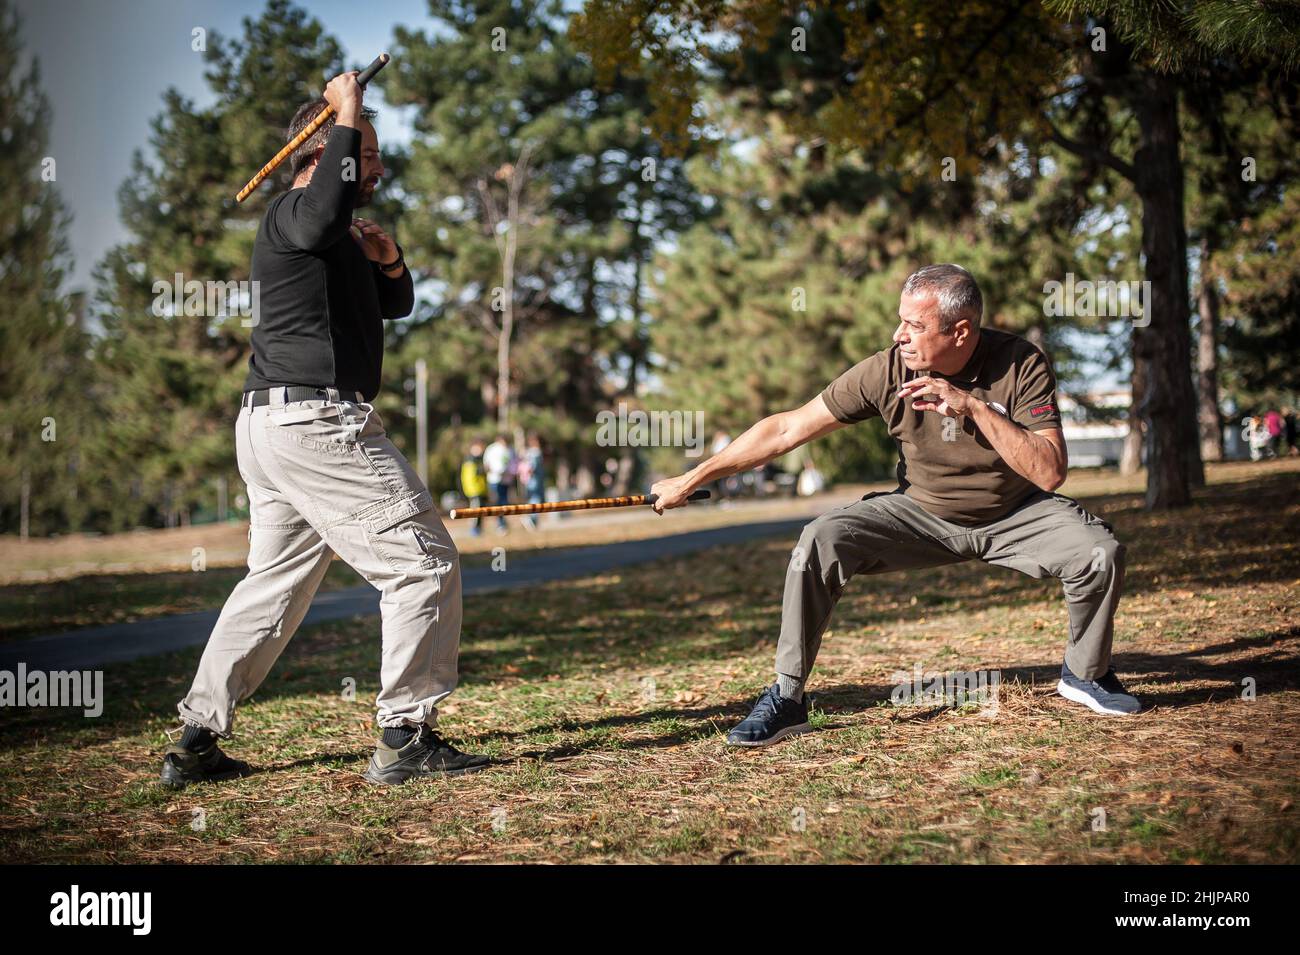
{"x":428,"y":754}
{"x":182,"y":766}
{"x":1104,"y":695}
{"x":773,"y":718}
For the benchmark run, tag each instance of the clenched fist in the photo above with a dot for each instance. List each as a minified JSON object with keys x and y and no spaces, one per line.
{"x":344,"y":93}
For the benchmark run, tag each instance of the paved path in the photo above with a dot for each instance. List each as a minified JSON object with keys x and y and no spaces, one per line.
{"x":94,"y":647}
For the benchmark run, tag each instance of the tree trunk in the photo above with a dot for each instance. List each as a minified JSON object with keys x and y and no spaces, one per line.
{"x":1163,"y":342}
{"x":503,"y":371}
{"x":1130,"y":461}
{"x":1193,"y":464}
{"x":627,"y":460}
{"x":507,"y":325}
{"x":1207,"y":363}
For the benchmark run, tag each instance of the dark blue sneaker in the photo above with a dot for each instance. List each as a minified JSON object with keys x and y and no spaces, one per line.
{"x":1105,"y":695}
{"x":773,"y":718}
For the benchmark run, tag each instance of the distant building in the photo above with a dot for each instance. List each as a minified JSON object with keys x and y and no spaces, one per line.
{"x":1095,"y":426}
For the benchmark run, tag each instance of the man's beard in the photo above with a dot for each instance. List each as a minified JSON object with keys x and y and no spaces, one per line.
{"x":364,"y":194}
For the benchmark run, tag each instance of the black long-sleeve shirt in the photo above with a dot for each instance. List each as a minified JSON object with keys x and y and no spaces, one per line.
{"x":322,"y":303}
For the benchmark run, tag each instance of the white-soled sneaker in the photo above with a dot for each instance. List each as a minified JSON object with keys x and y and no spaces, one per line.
{"x":1105,"y":695}
{"x":772,"y":719}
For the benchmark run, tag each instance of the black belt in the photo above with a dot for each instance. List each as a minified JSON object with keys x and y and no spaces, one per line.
{"x":262,"y":397}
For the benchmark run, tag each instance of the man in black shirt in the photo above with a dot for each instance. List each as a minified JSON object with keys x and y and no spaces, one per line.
{"x":324,"y":295}
{"x":322,"y":475}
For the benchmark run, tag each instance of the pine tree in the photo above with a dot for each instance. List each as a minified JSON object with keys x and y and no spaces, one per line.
{"x":1262,"y":271}
{"x":500,"y":81}
{"x":42,"y":342}
{"x":1241,"y":131}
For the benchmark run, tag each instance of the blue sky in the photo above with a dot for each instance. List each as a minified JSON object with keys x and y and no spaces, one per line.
{"x":104,"y":67}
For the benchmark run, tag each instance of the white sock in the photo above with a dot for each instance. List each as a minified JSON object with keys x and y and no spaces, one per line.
{"x":791,"y":687}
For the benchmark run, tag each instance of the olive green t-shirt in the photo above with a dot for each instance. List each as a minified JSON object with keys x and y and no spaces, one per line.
{"x":946,"y":464}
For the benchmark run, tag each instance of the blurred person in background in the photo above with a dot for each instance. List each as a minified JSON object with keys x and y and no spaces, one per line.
{"x":1274,"y":426}
{"x":473,"y":481}
{"x":532,"y":475}
{"x":499,"y":461}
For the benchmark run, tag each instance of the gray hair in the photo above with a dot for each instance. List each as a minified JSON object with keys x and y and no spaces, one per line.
{"x":955,"y":290}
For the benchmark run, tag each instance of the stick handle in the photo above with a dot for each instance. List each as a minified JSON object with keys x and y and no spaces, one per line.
{"x":364,"y":77}
{"x":586,"y":504}
{"x":368,"y":74}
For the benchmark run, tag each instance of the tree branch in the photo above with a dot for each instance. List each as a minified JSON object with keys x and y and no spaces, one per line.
{"x":928,"y":99}
{"x":1096,"y":153}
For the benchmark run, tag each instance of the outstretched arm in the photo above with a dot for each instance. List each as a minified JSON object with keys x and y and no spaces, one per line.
{"x":770,"y":438}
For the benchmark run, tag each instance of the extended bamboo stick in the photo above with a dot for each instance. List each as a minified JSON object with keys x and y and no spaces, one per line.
{"x":364,"y":77}
{"x":586,"y":504}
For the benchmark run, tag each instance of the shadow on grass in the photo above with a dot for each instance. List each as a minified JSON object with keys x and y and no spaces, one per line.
{"x":1275,"y":672}
{"x":725,"y":603}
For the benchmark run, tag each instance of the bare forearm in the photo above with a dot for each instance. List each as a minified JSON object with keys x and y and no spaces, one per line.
{"x":761,"y":443}
{"x":1030,"y":455}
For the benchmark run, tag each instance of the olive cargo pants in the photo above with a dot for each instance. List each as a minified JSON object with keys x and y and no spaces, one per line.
{"x":1047,"y":535}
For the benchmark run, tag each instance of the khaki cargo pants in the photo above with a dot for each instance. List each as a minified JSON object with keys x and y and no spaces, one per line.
{"x":324,"y":478}
{"x":1048,"y":535}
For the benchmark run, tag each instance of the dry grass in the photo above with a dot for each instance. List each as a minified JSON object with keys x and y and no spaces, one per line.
{"x":556,"y":685}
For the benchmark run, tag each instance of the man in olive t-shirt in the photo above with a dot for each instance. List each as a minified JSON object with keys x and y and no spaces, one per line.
{"x":980,"y":454}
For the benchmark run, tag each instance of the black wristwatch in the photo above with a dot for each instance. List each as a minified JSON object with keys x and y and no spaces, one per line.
{"x":394,"y":265}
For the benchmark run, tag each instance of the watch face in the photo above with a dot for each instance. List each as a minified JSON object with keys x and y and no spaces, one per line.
{"x":998,"y":408}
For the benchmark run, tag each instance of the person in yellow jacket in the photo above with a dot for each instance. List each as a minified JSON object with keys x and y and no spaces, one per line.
{"x":473,"y":481}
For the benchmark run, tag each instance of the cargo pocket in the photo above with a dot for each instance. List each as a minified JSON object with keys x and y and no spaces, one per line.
{"x":1085,"y":515}
{"x":399,"y":537}
{"x":435,"y":554}
{"x":1077,"y":548}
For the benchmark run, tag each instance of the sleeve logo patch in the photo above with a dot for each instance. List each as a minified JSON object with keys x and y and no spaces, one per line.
{"x":1042,"y":410}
